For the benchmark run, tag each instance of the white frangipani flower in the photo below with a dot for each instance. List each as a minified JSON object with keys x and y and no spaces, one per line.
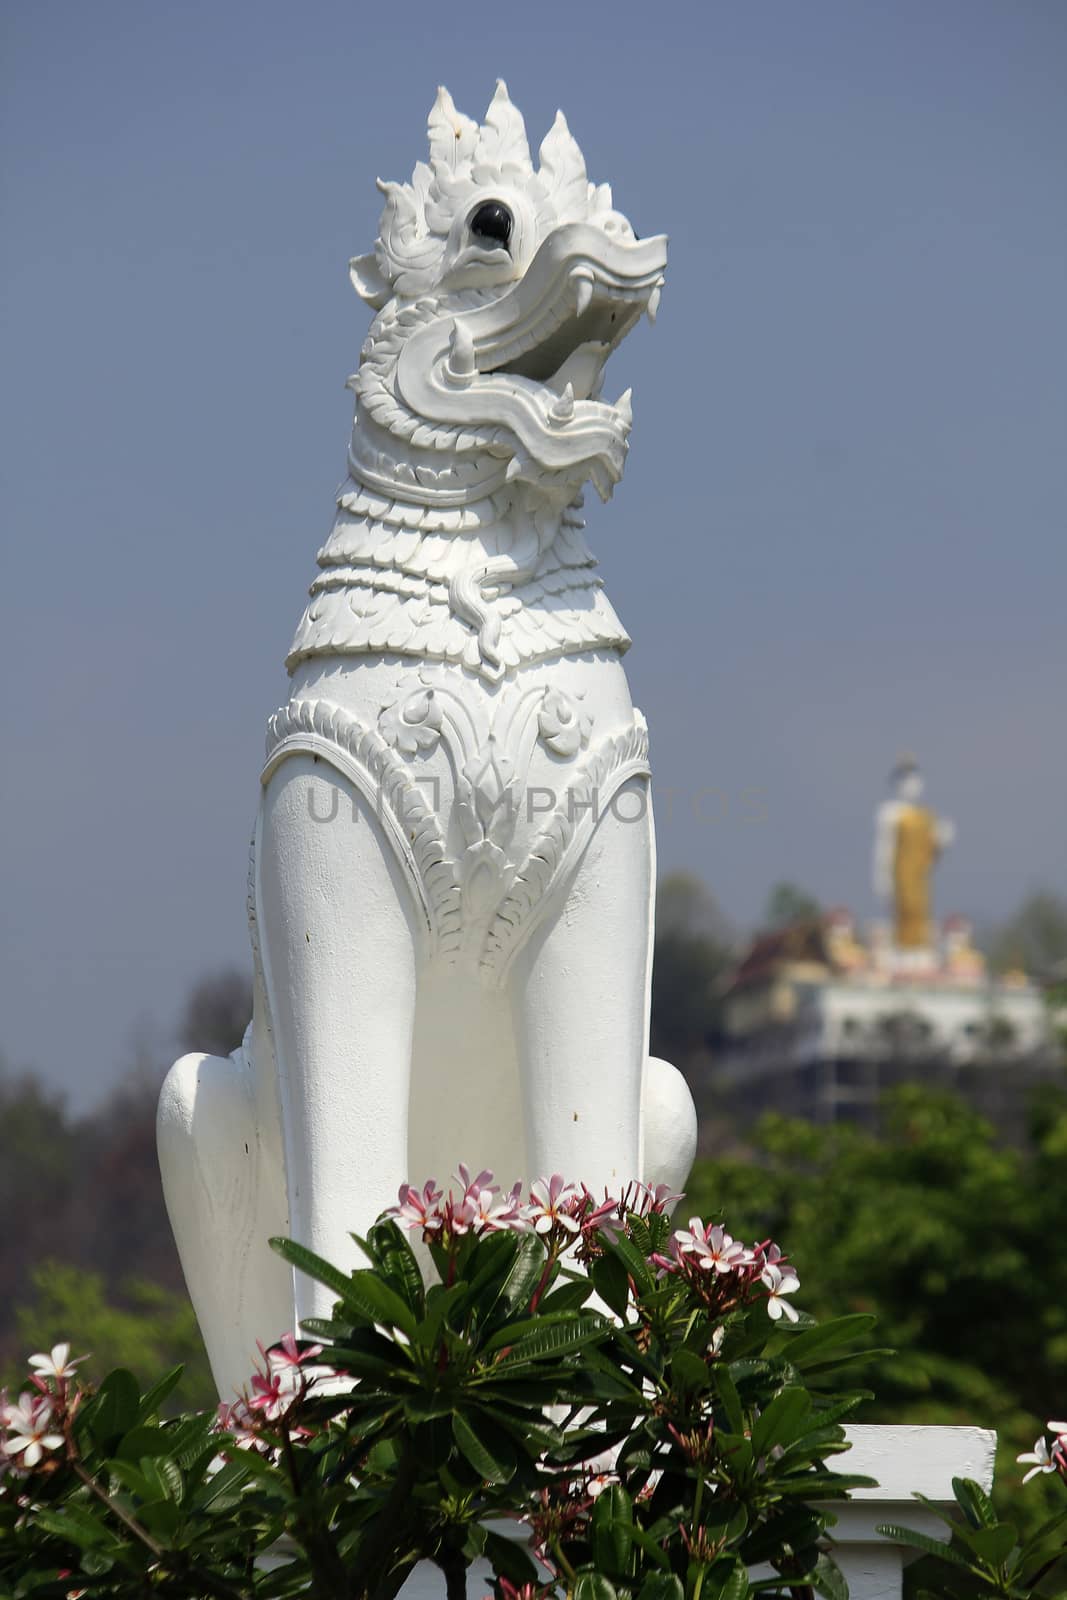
{"x":779,"y":1284}
{"x":1043,"y":1458}
{"x":27,"y":1423}
{"x":56,"y":1363}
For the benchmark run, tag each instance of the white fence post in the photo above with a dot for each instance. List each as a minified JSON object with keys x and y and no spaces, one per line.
{"x":906,"y":1461}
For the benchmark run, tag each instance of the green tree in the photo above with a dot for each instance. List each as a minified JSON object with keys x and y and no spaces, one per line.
{"x":787,"y":903}
{"x":1035,"y":938}
{"x":146,"y":1328}
{"x":693,"y":952}
{"x":951,"y":1240}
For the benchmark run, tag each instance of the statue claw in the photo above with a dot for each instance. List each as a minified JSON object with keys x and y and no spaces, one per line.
{"x":563,"y":409}
{"x":461,"y":363}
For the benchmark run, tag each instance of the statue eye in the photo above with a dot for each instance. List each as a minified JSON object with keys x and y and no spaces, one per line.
{"x":492,"y":221}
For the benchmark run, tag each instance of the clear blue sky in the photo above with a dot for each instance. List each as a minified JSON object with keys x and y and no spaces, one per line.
{"x":848,"y":460}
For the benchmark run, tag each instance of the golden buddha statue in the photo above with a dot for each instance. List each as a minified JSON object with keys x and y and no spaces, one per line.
{"x":909,"y":837}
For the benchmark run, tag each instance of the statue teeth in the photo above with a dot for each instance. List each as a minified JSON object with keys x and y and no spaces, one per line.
{"x":514,"y":469}
{"x":582,"y":280}
{"x":653,"y":304}
{"x":624,"y":407}
{"x":563,"y":409}
{"x":602,"y":483}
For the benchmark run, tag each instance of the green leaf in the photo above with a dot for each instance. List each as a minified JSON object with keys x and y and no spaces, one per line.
{"x":161,"y":1518}
{"x":440,"y":1303}
{"x":733,"y":1585}
{"x":185,"y":1438}
{"x":227,"y":1481}
{"x":689,"y":1372}
{"x":558,"y":1339}
{"x":851,"y":1358}
{"x":146,"y":1441}
{"x":151,"y":1402}
{"x":974,"y":1503}
{"x":612,"y":1283}
{"x":398,"y":1262}
{"x":799,"y":1347}
{"x":640,"y":1233}
{"x":363,"y":1293}
{"x":920,"y":1541}
{"x":524,"y":1274}
{"x":612,"y":1531}
{"x":781,"y":1421}
{"x":828,"y":1580}
{"x":116,"y":1408}
{"x":634,"y":1262}
{"x":486,"y":1446}
{"x":79,"y":1526}
{"x":328,"y":1328}
{"x":827,"y":1485}
{"x":592,"y":1585}
{"x":567,"y":1297}
{"x":513,"y":1333}
{"x":361,"y":1365}
{"x":652,"y":1548}
{"x":493,"y":1255}
{"x":164,"y":1477}
{"x":993,"y":1545}
{"x":731,"y":1401}
{"x":510,"y":1560}
{"x":661,"y":1586}
{"x":131,"y":1478}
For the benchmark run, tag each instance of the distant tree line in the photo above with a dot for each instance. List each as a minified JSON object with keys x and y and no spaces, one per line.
{"x":87,"y":1252}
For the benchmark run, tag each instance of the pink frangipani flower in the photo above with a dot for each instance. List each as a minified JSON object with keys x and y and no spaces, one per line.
{"x":288,"y":1354}
{"x":549,"y":1198}
{"x":714,"y":1249}
{"x":492,"y":1214}
{"x":415,"y":1206}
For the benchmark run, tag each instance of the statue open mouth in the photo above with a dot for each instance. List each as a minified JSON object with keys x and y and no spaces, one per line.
{"x":501,"y":293}
{"x":579,"y":298}
{"x":530,"y":360}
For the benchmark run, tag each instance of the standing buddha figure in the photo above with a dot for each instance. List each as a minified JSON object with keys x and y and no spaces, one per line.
{"x":909,"y":837}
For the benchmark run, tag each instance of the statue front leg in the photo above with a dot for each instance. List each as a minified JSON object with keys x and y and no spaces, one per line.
{"x":339,"y":942}
{"x":580,"y":1003}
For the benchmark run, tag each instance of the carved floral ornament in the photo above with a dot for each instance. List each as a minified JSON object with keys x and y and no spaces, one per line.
{"x":481,"y":901}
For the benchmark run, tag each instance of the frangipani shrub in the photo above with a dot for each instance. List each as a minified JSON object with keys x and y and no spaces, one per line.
{"x":643,"y":1405}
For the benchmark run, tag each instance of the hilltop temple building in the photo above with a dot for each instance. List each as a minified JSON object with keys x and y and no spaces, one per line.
{"x":819,"y":1020}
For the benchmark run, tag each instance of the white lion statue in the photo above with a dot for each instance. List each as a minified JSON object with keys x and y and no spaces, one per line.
{"x":452,"y":880}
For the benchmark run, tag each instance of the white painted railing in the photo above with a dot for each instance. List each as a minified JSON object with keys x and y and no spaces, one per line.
{"x":905,"y":1461}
